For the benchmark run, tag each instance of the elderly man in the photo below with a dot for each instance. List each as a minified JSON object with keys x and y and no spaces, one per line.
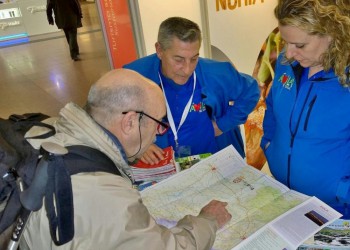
{"x":206,"y":100}
{"x":121,"y":119}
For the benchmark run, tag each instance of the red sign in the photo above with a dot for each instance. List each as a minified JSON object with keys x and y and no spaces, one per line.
{"x":118,"y":31}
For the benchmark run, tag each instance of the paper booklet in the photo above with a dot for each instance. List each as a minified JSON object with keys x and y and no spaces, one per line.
{"x":157,"y":172}
{"x":265,"y":213}
{"x":335,"y":236}
{"x":188,"y":161}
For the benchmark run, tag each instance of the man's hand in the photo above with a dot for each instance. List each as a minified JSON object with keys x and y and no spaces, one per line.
{"x":50,"y":19}
{"x":153,"y":155}
{"x":217,"y":209}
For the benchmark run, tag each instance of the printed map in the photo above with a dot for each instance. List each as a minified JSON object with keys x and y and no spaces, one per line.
{"x":254,"y":198}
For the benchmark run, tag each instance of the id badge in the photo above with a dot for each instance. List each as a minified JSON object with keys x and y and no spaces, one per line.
{"x":183,"y":151}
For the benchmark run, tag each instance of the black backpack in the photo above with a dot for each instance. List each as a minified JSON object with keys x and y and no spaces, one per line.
{"x":19,"y":163}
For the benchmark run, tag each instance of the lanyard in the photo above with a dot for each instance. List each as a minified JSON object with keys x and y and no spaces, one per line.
{"x":185,"y":112}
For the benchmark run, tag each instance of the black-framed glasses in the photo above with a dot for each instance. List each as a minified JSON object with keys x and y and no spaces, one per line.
{"x":162,"y":127}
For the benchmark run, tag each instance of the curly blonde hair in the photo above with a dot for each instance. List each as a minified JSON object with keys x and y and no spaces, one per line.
{"x":323,"y":18}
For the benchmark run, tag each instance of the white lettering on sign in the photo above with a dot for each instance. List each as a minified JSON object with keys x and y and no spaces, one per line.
{"x":33,"y":9}
{"x":8,"y":24}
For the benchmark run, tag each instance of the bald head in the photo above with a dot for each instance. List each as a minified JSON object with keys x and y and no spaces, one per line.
{"x":122,"y":90}
{"x":117,"y":100}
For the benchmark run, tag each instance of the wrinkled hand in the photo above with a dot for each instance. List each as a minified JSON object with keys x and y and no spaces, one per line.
{"x":217,"y":209}
{"x":50,"y":19}
{"x":153,"y":155}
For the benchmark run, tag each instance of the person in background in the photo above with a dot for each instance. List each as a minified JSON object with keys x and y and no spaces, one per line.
{"x":307,"y":122}
{"x":121,"y":119}
{"x":206,"y":100}
{"x":68,"y":17}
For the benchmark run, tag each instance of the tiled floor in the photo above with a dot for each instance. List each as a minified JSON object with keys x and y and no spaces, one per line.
{"x":41,"y":77}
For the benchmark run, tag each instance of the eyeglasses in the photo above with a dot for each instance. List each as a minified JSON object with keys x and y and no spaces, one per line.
{"x":162,"y":127}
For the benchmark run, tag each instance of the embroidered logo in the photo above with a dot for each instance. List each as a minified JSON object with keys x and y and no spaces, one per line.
{"x":287,"y":81}
{"x":199,"y":107}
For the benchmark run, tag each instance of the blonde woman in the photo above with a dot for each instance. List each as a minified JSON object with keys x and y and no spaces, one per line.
{"x":307,"y":122}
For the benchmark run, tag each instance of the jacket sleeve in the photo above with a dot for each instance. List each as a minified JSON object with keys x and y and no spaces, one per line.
{"x":147,"y":66}
{"x":191,"y":232}
{"x":239,"y":95}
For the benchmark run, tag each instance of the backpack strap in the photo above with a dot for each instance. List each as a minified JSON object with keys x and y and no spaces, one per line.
{"x":85,"y":159}
{"x":24,"y":122}
{"x":51,"y":132}
{"x":59,"y":194}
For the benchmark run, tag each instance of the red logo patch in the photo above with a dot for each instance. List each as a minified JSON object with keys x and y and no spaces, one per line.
{"x":197,"y":107}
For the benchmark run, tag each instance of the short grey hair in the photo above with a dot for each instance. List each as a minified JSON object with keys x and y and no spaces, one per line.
{"x":179,"y":27}
{"x":106,"y":102}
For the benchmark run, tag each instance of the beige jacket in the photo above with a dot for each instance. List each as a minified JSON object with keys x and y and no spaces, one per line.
{"x":108,"y":211}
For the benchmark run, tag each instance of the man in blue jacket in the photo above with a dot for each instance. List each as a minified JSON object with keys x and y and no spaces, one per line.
{"x":206,"y":100}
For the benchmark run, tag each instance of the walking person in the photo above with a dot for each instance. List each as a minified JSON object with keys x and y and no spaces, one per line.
{"x":68,"y":17}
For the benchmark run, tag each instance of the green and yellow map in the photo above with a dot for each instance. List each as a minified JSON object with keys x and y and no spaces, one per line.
{"x":254,"y":198}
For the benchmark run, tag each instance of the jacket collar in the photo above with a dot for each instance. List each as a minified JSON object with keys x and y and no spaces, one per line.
{"x":80,"y":128}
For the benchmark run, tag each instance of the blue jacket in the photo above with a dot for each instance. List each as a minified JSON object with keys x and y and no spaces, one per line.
{"x":228,"y":95}
{"x":307,"y":123}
